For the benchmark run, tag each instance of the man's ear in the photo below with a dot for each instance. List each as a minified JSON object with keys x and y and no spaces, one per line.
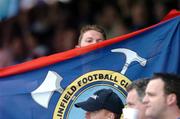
{"x":111,"y":115}
{"x":171,"y":99}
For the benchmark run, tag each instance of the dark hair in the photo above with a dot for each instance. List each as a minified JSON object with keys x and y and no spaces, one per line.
{"x":91,"y":27}
{"x":117,"y":116}
{"x":171,"y":84}
{"x":140,"y":86}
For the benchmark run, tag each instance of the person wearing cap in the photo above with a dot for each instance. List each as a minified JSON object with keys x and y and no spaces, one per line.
{"x":91,"y":34}
{"x":103,"y":104}
{"x":162,"y":96}
{"x":134,"y":100}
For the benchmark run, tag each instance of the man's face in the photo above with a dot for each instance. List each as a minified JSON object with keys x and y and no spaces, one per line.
{"x":155,"y":99}
{"x":133,"y":101}
{"x":91,"y":37}
{"x":100,"y":114}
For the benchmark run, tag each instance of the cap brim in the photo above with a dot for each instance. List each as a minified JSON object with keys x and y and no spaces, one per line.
{"x":89,"y":105}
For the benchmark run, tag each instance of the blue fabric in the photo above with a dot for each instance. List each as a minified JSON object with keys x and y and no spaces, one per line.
{"x":159,"y":46}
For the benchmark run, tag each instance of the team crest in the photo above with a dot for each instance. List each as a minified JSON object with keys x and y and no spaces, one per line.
{"x":84,"y":86}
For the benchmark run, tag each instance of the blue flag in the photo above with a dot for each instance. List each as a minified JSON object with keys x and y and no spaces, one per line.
{"x":48,"y":87}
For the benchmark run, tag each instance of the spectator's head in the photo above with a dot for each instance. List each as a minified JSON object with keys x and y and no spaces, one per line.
{"x":91,"y":34}
{"x":163,"y":96}
{"x":102,"y":104}
{"x":136,"y":92}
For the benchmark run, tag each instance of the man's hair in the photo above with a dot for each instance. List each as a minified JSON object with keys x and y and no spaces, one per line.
{"x":117,"y":116}
{"x":171,"y":84}
{"x":91,"y":27}
{"x":140,"y":86}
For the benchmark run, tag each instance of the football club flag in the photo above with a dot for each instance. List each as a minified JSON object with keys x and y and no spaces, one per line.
{"x":49,"y":87}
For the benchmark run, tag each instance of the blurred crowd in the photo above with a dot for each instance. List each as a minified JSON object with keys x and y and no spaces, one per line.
{"x":46,"y":27}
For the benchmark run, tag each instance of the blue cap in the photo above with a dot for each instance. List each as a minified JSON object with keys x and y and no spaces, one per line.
{"x":102,"y":99}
